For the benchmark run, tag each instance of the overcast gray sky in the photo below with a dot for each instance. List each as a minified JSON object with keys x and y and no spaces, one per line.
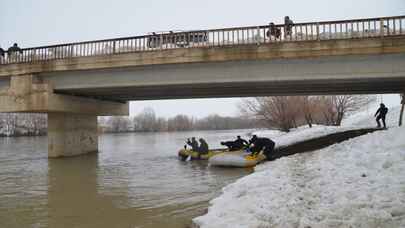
{"x":45,"y":22}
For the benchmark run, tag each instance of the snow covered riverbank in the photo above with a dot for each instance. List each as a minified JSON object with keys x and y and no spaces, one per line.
{"x":357,"y":183}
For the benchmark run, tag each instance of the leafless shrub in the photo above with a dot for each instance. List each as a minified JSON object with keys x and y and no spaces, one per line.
{"x":286,"y":112}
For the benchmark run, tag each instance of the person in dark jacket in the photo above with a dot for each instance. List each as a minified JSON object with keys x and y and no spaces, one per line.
{"x":193,"y":143}
{"x":259,"y":144}
{"x":240,"y":143}
{"x":203,"y":148}
{"x":380,"y":114}
{"x":230,"y":144}
{"x":2,"y":52}
{"x":14,"y":48}
{"x":273,"y":31}
{"x":288,"y":24}
{"x":2,"y":55}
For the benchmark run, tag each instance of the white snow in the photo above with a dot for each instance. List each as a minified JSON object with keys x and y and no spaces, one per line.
{"x":300,"y":134}
{"x":357,"y":183}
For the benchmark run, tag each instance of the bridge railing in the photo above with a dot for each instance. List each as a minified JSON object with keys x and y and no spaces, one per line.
{"x":252,"y":35}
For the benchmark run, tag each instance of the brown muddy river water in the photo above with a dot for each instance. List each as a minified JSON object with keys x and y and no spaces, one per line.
{"x":134,"y":181}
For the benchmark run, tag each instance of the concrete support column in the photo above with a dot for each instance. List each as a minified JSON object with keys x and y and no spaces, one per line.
{"x":71,"y":134}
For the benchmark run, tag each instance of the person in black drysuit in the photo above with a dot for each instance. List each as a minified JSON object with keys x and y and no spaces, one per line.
{"x":203,"y":148}
{"x":238,"y":144}
{"x":380,"y":114}
{"x":230,"y":144}
{"x":193,"y":143}
{"x":259,"y":144}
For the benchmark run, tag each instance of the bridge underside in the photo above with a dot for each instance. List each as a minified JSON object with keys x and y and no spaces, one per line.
{"x":356,"y":74}
{"x":250,"y":89}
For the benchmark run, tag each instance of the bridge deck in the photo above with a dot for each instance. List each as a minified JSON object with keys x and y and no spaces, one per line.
{"x":224,"y":37}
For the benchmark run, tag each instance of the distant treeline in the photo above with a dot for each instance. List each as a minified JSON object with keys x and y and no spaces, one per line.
{"x":147,"y":121}
{"x":30,"y":124}
{"x":23,"y":124}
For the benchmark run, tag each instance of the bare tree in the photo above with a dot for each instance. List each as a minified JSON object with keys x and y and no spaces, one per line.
{"x":308,"y":106}
{"x":180,"y":123}
{"x":285,"y":113}
{"x":276,"y":112}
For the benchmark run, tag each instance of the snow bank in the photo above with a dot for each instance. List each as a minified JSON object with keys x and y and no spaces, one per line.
{"x":363,"y":119}
{"x":301,"y":134}
{"x":357,"y":183}
{"x":366,"y":118}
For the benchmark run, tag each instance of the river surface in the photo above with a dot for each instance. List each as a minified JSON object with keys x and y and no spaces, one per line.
{"x":134,"y":181}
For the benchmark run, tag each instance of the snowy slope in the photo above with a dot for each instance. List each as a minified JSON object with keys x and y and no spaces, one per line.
{"x":366,"y":118}
{"x":362,"y":119}
{"x":301,"y":134}
{"x":357,"y":183}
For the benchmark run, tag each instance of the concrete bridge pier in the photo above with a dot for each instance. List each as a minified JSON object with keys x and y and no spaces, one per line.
{"x":71,"y":134}
{"x":72,"y":120}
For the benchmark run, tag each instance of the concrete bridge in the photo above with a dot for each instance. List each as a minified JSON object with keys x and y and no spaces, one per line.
{"x":74,"y":83}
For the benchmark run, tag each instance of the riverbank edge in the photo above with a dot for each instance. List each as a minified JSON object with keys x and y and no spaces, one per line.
{"x":310,"y":145}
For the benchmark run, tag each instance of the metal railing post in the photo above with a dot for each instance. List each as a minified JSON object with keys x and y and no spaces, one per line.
{"x":381,"y":28}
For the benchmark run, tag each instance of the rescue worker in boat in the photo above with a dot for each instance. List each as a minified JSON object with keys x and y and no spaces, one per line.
{"x":240,"y":143}
{"x":259,"y":144}
{"x":193,"y":143}
{"x":288,"y":24}
{"x":203,"y":148}
{"x":230,"y":145}
{"x":380,"y":114}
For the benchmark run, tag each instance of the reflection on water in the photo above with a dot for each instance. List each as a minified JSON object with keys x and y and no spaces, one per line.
{"x":135,"y":181}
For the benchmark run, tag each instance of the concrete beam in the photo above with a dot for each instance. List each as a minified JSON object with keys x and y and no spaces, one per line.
{"x":29,"y":94}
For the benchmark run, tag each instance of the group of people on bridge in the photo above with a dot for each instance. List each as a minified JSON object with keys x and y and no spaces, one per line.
{"x":276,"y":31}
{"x":11,"y":52}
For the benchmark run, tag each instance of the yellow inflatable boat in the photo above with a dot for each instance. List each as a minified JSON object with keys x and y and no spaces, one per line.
{"x":236,"y":159}
{"x":194,"y":155}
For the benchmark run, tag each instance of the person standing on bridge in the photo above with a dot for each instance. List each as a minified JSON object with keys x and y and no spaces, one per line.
{"x":2,"y":52}
{"x":2,"y":55}
{"x":14,"y":48}
{"x":13,"y":51}
{"x":288,"y":24}
{"x":380,"y":114}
